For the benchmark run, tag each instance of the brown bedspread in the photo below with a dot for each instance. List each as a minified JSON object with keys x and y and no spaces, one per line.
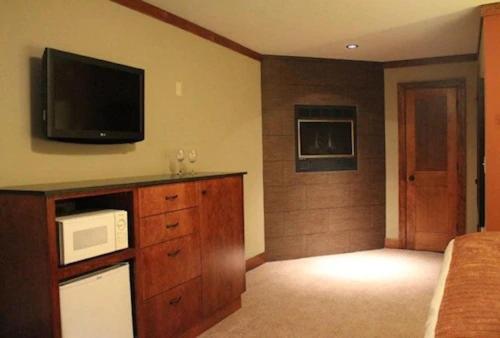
{"x":471,"y":302}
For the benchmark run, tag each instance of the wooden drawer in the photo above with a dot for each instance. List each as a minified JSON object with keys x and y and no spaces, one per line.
{"x":163,"y":227}
{"x":169,"y":264}
{"x":173,"y":312}
{"x":163,"y":198}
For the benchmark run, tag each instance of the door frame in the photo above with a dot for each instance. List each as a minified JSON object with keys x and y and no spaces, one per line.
{"x":480,"y":179}
{"x":459,"y":84}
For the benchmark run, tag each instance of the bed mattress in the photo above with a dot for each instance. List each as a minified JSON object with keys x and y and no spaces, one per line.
{"x":466,"y":301}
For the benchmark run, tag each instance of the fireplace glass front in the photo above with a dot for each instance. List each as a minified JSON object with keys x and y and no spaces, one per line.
{"x":325,"y":138}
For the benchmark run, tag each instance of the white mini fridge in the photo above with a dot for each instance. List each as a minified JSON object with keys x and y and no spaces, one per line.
{"x":97,"y":305}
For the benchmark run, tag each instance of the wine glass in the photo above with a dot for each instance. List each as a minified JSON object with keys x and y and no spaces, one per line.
{"x":180,"y":158}
{"x":192,"y":159}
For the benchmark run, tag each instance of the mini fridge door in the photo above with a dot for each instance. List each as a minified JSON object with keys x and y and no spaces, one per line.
{"x":97,"y":305}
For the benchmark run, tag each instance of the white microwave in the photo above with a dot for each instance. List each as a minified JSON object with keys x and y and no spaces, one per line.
{"x":90,"y":234}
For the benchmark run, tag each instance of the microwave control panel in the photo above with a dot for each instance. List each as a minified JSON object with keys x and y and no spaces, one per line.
{"x":121,"y":230}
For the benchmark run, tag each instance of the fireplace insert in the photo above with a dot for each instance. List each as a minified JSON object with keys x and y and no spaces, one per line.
{"x":325,"y":138}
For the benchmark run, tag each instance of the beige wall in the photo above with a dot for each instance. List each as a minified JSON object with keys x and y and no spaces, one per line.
{"x":219,"y":113}
{"x":393,"y":76}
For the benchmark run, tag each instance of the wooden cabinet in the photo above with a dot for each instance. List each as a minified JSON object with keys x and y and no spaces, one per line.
{"x":163,"y":227}
{"x":222,"y":249}
{"x":174,"y":311}
{"x":204,"y":240}
{"x":169,"y":264}
{"x":167,"y":197}
{"x":190,"y":231}
{"x":186,"y":251}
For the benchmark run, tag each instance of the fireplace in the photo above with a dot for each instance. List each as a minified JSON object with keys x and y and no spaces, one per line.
{"x":325,"y":138}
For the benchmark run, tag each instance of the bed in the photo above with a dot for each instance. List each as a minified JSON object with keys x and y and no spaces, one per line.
{"x":466,"y":301}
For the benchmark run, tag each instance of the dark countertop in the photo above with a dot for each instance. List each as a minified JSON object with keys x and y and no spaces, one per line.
{"x":51,"y":189}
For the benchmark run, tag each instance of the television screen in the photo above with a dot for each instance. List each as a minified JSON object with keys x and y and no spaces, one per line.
{"x":92,"y":101}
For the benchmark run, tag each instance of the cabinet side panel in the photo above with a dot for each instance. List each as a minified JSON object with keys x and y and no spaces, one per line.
{"x":222,"y":243}
{"x":25,"y":295}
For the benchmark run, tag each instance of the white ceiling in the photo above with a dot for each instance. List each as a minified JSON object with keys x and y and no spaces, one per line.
{"x":386,"y":30}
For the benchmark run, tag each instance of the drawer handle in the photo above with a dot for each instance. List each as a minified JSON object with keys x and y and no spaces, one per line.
{"x":170,"y":226}
{"x":171,"y":197}
{"x":175,"y":301}
{"x":174,"y":253}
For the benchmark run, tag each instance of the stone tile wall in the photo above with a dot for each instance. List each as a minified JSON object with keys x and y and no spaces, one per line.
{"x":318,"y":213}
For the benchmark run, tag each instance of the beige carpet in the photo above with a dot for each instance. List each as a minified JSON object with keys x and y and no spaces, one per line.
{"x":379,"y":293}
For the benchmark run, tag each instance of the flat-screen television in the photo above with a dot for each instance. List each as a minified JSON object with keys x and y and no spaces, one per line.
{"x":86,"y":100}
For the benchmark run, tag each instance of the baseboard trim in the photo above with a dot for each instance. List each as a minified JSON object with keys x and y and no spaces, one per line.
{"x":392,"y":243}
{"x":256,"y":261}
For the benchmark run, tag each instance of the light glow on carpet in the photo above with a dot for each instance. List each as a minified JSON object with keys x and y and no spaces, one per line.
{"x":359,"y":267}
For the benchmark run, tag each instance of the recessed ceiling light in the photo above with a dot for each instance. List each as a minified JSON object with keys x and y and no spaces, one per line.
{"x":351,"y":46}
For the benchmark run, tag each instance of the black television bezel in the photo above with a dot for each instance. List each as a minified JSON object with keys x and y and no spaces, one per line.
{"x":85,"y":136}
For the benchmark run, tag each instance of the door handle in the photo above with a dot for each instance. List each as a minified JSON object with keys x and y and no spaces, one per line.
{"x":411,"y":178}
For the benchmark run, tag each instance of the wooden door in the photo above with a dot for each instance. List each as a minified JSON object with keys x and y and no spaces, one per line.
{"x":432,"y":156}
{"x":222,"y":246}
